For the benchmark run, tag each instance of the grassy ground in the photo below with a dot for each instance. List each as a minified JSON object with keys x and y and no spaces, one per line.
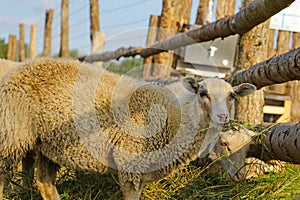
{"x":188,"y":183}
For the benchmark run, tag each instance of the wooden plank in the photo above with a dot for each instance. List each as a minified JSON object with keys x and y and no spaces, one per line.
{"x":276,"y":110}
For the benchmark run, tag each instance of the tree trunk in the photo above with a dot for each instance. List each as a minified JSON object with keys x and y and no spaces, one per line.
{"x":22,"y":43}
{"x":252,"y":49}
{"x":281,"y":142}
{"x":32,"y":45}
{"x":48,"y":32}
{"x":201,"y":12}
{"x":94,"y":17}
{"x":64,"y":40}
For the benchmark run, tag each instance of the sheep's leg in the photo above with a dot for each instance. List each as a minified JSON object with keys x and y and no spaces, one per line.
{"x":131,"y":185}
{"x":28,"y":168}
{"x":45,"y":175}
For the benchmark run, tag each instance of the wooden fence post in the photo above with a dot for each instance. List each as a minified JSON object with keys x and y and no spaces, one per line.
{"x":252,"y":50}
{"x":48,"y":32}
{"x":9,"y":48}
{"x":182,"y":14}
{"x":163,"y":61}
{"x":14,"y":48}
{"x":22,"y":43}
{"x":151,"y":39}
{"x":64,"y":35}
{"x":201,"y":12}
{"x":225,"y":8}
{"x":97,"y":44}
{"x":94,"y":18}
{"x":295,"y":86}
{"x":32,"y":45}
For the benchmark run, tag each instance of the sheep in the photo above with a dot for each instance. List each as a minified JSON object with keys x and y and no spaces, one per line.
{"x":28,"y":161}
{"x":232,"y":146}
{"x":83,"y":117}
{"x":6,"y":65}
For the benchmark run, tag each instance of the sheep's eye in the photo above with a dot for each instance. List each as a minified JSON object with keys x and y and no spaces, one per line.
{"x":223,"y":144}
{"x":203,"y":94}
{"x":232,"y":96}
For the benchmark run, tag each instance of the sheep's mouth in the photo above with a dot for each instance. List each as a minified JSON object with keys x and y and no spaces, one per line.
{"x":218,"y":125}
{"x":236,"y":178}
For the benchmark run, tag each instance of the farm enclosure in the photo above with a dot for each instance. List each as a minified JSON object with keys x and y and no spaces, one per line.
{"x":254,"y":63}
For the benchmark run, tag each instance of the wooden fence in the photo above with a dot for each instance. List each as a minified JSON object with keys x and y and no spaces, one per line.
{"x":240,"y":23}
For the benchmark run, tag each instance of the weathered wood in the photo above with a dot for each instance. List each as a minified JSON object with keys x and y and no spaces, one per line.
{"x":48,"y":32}
{"x":295,"y":87}
{"x":22,"y":43}
{"x":278,"y":69}
{"x":240,"y":23}
{"x":201,"y":12}
{"x":281,"y":142}
{"x":97,"y":43}
{"x":64,"y":34}
{"x":32,"y":44}
{"x":151,"y":39}
{"x":182,"y":14}
{"x":14,"y":48}
{"x":9,"y":48}
{"x":271,"y":50}
{"x":109,"y":55}
{"x":167,"y":28}
{"x":225,"y":8}
{"x":252,"y":49}
{"x":94,"y":17}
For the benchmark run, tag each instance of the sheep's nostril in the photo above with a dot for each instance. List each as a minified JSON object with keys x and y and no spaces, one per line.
{"x":223,"y":117}
{"x":238,"y":177}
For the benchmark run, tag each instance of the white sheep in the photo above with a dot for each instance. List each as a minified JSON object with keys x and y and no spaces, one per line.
{"x":83,"y":117}
{"x":231,"y":149}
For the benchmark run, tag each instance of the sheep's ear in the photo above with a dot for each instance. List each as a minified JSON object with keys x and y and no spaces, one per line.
{"x":244,"y":89}
{"x":191,"y":84}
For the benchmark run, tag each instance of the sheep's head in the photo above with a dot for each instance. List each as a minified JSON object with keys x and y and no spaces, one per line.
{"x":233,"y":146}
{"x":217,"y":97}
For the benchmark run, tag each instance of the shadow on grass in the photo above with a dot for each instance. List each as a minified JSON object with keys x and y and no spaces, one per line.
{"x":188,"y":183}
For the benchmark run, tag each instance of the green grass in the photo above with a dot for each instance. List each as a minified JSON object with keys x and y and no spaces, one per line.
{"x":188,"y":183}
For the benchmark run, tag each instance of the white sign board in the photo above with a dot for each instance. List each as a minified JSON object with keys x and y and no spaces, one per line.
{"x":288,"y":19}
